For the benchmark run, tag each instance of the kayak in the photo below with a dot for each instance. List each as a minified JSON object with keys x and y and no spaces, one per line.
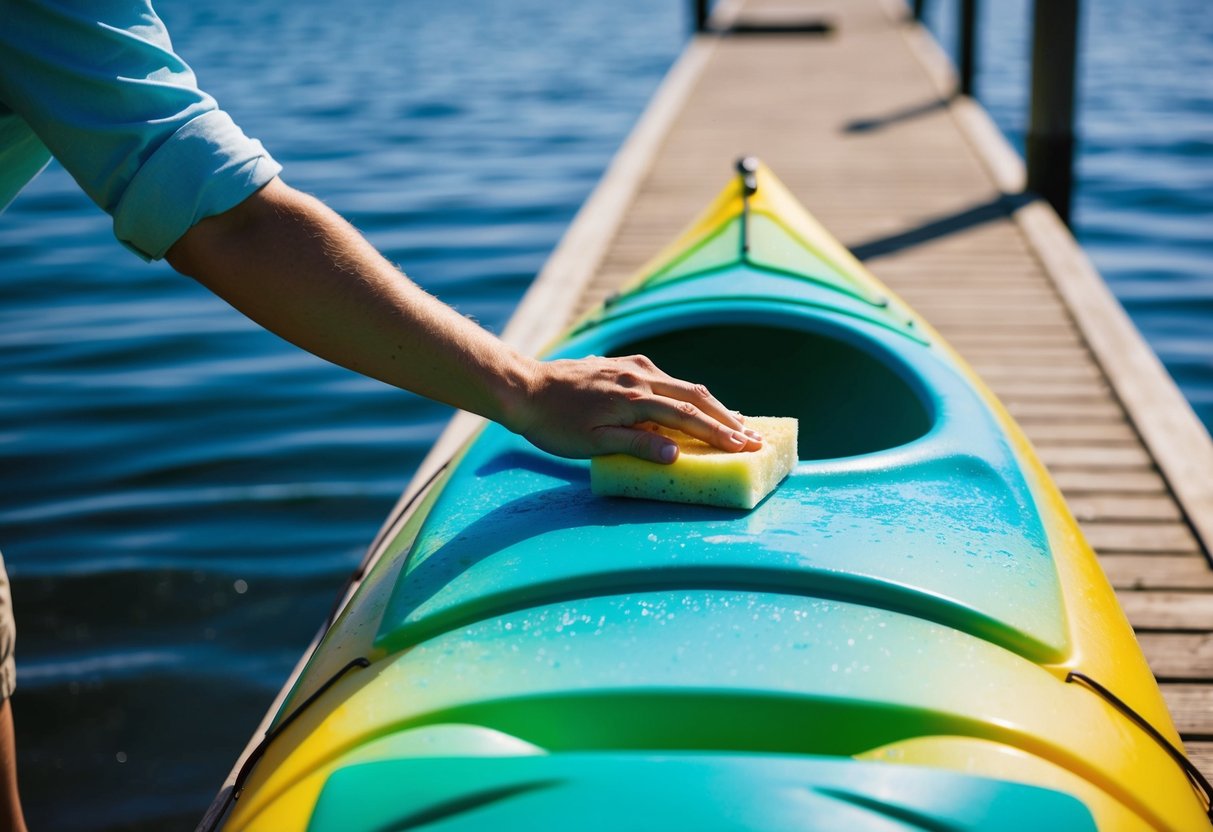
{"x":909,"y":632}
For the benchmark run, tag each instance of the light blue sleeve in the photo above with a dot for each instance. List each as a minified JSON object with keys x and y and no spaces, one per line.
{"x":99,"y":84}
{"x":22,"y":155}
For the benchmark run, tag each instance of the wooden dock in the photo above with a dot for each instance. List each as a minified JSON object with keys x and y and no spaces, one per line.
{"x":862,"y":125}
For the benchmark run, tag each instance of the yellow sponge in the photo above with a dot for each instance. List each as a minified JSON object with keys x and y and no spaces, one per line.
{"x":703,"y":474}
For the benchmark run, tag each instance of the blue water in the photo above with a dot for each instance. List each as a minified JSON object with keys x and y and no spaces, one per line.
{"x":182,"y":494}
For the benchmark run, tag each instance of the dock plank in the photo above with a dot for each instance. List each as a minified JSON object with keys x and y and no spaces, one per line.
{"x":1179,"y":657}
{"x":1133,"y":570}
{"x":1177,"y":611}
{"x":1191,"y":706}
{"x":1140,"y":536}
{"x":1110,"y":507}
{"x":1079,"y":482}
{"x":1050,"y":433}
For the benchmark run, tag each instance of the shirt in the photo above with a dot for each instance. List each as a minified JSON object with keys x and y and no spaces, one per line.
{"x":96,"y":84}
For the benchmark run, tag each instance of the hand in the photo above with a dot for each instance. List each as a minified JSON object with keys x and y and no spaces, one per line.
{"x":598,"y":406}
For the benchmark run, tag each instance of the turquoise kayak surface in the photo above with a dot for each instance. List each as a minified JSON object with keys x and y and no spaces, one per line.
{"x":942,"y":527}
{"x":596,"y":793}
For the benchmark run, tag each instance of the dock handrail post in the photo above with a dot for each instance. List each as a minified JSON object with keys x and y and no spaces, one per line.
{"x":966,"y":32}
{"x":701,"y":13}
{"x":920,"y":8}
{"x":1050,"y":137}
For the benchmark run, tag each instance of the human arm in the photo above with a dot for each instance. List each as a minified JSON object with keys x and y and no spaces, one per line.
{"x":298,"y":269}
{"x":102,"y":88}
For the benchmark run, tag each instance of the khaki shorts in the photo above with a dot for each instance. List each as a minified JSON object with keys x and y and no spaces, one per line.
{"x":8,"y":637}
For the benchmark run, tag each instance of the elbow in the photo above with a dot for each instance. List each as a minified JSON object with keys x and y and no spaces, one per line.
{"x":214,"y":239}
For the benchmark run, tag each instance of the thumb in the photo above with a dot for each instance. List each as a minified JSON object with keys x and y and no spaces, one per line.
{"x":636,"y":442}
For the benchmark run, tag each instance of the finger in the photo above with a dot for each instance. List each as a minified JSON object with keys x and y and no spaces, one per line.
{"x":692,"y":421}
{"x":636,"y":442}
{"x":701,"y":397}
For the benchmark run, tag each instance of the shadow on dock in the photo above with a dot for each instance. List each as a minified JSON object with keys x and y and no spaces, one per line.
{"x":870,"y":125}
{"x":996,"y":209}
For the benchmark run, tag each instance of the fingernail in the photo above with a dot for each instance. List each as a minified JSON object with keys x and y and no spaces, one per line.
{"x":737,"y":438}
{"x":757,"y":437}
{"x":668,"y":452}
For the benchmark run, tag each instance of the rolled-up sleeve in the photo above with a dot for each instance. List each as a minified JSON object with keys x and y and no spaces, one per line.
{"x":99,"y":83}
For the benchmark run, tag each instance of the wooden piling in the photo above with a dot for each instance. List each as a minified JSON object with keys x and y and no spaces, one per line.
{"x":1050,"y":138}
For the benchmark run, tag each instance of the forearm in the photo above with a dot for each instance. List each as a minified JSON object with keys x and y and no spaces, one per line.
{"x":298,"y":269}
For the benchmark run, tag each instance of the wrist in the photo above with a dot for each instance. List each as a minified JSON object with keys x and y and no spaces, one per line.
{"x":516,"y":384}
